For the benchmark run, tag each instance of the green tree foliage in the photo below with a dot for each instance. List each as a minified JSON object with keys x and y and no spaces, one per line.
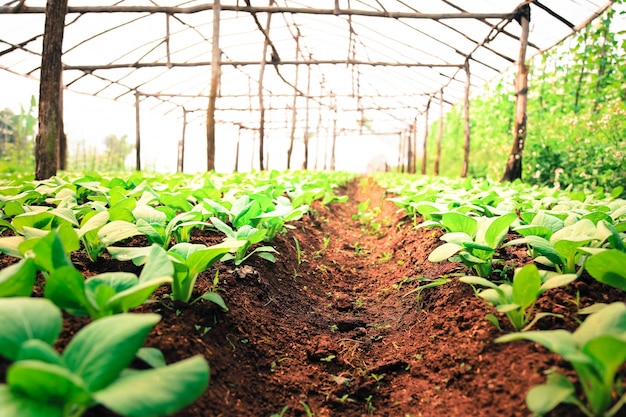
{"x":17,"y":133}
{"x":576,"y":115}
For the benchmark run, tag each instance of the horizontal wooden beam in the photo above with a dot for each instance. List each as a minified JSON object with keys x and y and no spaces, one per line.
{"x":260,"y":9}
{"x":91,"y":68}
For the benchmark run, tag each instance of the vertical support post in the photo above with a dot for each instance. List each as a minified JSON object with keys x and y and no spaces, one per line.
{"x":47,"y":139}
{"x":466,"y":112}
{"x":513,"y":168}
{"x":181,"y":145}
{"x":439,"y":134}
{"x":266,"y":43}
{"x":62,"y":148}
{"x":137,"y":133}
{"x":334,"y":143}
{"x":167,"y":41}
{"x":294,"y":111}
{"x":216,"y":72}
{"x":425,"y":145}
{"x":305,"y":164}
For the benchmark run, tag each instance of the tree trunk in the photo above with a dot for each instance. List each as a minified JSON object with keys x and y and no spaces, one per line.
{"x":47,"y":139}
{"x":513,"y":168}
{"x":216,"y":72}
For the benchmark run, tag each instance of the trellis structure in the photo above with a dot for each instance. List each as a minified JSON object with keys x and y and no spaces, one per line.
{"x":283,"y":67}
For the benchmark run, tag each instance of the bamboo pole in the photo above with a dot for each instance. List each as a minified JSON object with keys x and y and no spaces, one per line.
{"x":513,"y":168}
{"x":305,"y":164}
{"x":216,"y":71}
{"x":294,"y":110}
{"x":425,"y":144}
{"x":439,"y":134}
{"x":181,"y":145}
{"x":466,"y":130}
{"x":260,"y":9}
{"x":263,"y":63}
{"x":137,"y":133}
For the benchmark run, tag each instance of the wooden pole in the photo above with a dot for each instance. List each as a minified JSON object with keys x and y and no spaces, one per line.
{"x":466,"y":112}
{"x":266,"y":43}
{"x":294,"y":111}
{"x":181,"y":145}
{"x":305,"y":164}
{"x":513,"y":168}
{"x":439,"y":134}
{"x":334,"y":142}
{"x":137,"y":133}
{"x":425,"y":145}
{"x":62,"y":149}
{"x":216,"y":72}
{"x":47,"y":139}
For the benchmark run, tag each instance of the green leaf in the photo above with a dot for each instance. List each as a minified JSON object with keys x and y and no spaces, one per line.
{"x":66,"y":288}
{"x":443,"y":252}
{"x":152,"y":356}
{"x":609,"y":321}
{"x":609,"y":353}
{"x":102,"y":349}
{"x":136,"y":295}
{"x":47,"y":383}
{"x":215,"y":298}
{"x":10,"y":246}
{"x":157,"y":392}
{"x":541,"y":399}
{"x":478,"y":281}
{"x":558,"y":280}
{"x":558,"y":341}
{"x":493,"y":230}
{"x":608,"y":267}
{"x":95,"y":222}
{"x":14,"y":404}
{"x":117,"y":230}
{"x":457,"y":222}
{"x":18,"y":279}
{"x":138,"y":255}
{"x":22,"y":319}
{"x":35,"y":349}
{"x":526,"y":286}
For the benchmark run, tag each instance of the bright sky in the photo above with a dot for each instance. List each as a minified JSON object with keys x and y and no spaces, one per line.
{"x":90,"y":119}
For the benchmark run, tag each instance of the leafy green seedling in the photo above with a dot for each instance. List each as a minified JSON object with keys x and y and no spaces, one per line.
{"x":108,"y":293}
{"x":93,"y":368}
{"x":18,"y":279}
{"x":475,"y":246}
{"x":190,"y":260}
{"x":567,"y":248}
{"x":249,"y":236}
{"x":608,"y":267}
{"x":517,"y":300}
{"x":26,"y":318}
{"x":154,"y":225}
{"x":596,"y":350}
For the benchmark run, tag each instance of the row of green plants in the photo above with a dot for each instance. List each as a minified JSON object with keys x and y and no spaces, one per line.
{"x":566,"y":233}
{"x":43,"y":223}
{"x":576,"y":115}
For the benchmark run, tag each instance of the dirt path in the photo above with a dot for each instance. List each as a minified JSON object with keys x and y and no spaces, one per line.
{"x":336,"y":329}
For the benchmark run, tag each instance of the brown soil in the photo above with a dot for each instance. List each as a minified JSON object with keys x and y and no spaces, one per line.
{"x":344,"y":333}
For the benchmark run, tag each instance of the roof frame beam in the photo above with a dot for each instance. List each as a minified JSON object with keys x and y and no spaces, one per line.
{"x":261,"y":9}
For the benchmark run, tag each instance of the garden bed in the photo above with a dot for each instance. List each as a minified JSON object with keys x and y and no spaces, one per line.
{"x":336,"y":327}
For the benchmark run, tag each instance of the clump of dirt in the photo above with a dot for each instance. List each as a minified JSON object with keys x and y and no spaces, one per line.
{"x":338,"y":326}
